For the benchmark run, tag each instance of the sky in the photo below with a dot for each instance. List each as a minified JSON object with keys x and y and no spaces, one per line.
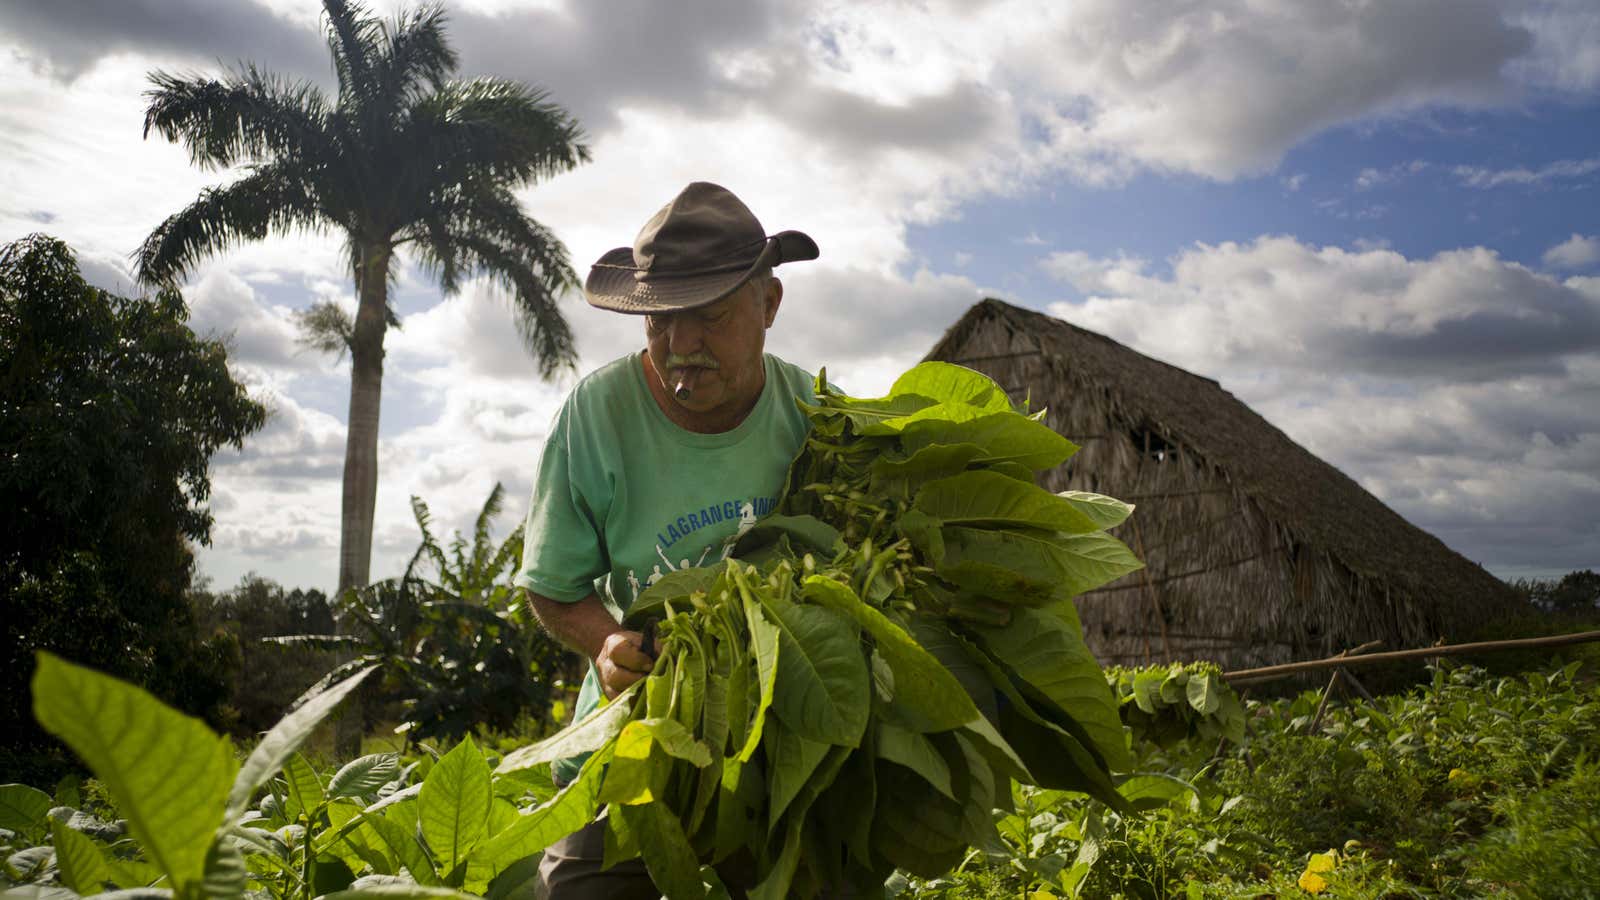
{"x":1374,"y":222}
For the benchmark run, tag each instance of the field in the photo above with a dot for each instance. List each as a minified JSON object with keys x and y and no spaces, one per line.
{"x":1474,"y":784}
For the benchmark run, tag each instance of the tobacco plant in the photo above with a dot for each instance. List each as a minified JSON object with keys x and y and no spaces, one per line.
{"x":854,"y":691}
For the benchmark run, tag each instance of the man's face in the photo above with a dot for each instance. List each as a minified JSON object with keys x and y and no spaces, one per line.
{"x":708,"y":360}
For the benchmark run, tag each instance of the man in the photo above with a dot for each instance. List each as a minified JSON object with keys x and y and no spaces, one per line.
{"x":659,"y":459}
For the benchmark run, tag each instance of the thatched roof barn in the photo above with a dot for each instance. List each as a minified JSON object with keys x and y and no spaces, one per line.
{"x":1256,"y":551}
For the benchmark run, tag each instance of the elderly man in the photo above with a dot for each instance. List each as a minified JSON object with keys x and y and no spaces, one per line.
{"x":660,"y":459}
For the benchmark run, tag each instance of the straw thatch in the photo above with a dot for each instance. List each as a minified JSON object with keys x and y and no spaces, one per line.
{"x":1256,"y":551}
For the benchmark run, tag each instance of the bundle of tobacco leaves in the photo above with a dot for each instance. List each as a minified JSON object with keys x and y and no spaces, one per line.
{"x":855,"y":689}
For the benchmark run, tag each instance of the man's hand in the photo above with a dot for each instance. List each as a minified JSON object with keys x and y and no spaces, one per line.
{"x":588,"y":628}
{"x":621,"y":662}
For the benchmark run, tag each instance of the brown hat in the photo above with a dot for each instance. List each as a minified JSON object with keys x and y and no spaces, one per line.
{"x":696,"y":250}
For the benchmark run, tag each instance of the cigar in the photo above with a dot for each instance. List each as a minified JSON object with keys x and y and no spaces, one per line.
{"x":682,"y":391}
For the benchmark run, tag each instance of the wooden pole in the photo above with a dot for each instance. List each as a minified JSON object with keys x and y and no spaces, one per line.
{"x":1267,"y":673}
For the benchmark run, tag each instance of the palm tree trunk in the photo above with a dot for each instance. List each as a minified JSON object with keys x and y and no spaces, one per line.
{"x":361,"y":440}
{"x":361,"y":451}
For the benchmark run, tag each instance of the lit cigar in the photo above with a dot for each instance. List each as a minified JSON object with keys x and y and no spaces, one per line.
{"x":682,"y":391}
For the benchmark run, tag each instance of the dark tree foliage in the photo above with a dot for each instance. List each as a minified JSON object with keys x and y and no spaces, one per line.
{"x":270,"y":677}
{"x":110,"y":410}
{"x":1575,"y":593}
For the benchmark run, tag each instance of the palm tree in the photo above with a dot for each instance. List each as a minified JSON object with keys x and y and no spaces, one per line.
{"x":405,"y":157}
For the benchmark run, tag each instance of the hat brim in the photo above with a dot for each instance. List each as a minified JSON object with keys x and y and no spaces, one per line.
{"x":613,"y":281}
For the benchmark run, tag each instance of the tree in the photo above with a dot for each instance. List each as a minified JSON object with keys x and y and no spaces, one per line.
{"x":110,"y":410}
{"x":454,"y":643}
{"x":403,"y":158}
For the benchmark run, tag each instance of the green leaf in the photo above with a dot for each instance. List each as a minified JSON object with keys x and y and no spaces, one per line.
{"x":1152,"y":790}
{"x":305,"y":787}
{"x":805,"y":534}
{"x":1004,"y":437}
{"x":791,"y":760}
{"x":982,"y":499}
{"x":977,"y":788}
{"x":824,"y":689}
{"x":399,"y":892}
{"x":924,"y":688}
{"x":597,"y":729}
{"x":24,"y":809}
{"x":226,"y":873}
{"x":83,"y":867}
{"x":1033,"y":567}
{"x":402,"y":844}
{"x":950,"y":383}
{"x":1106,"y":512}
{"x":1205,"y":693}
{"x":284,"y":738}
{"x":167,"y":772}
{"x":1049,"y":653}
{"x":57,"y":892}
{"x":1147,"y":689}
{"x":921,"y":831}
{"x":666,"y":851}
{"x":764,"y":644}
{"x":935,"y":461}
{"x":571,"y":809}
{"x":638,"y":774}
{"x":362,"y":777}
{"x":675,"y":587}
{"x":917,"y":753}
{"x":454,"y":804}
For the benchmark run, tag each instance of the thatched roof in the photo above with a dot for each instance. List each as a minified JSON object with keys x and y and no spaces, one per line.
{"x":1316,"y":504}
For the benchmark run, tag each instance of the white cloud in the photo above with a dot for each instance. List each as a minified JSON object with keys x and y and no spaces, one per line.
{"x":1576,"y":252}
{"x":1560,"y":170}
{"x":1457,"y":388}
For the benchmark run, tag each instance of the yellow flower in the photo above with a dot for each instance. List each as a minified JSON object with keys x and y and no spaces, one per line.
{"x":1458,"y":774}
{"x":1312,"y":883}
{"x":1322,"y":862}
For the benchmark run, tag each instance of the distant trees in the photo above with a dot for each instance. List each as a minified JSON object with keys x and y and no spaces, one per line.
{"x":1574,"y":593}
{"x":110,"y":410}
{"x":268,"y":679}
{"x":402,"y":157}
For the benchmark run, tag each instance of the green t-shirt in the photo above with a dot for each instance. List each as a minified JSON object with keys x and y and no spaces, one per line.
{"x":623,"y":495}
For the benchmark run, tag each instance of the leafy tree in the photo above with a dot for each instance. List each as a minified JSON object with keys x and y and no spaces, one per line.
{"x":110,"y":410}
{"x":404,"y":156}
{"x":1575,"y":593}
{"x":453,"y":641}
{"x":269,"y":678}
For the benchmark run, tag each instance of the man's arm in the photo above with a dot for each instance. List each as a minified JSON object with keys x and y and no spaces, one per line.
{"x":587,"y":627}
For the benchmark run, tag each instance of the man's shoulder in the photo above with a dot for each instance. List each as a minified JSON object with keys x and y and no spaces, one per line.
{"x":795,"y":380}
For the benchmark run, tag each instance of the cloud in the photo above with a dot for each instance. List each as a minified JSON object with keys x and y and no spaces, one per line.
{"x":1576,"y":252}
{"x":67,"y":38}
{"x":1561,"y":170}
{"x":1460,"y":315}
{"x":1457,"y":388}
{"x":224,"y":307}
{"x":1370,"y":178}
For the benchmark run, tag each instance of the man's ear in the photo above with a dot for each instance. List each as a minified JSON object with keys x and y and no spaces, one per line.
{"x":774,"y":299}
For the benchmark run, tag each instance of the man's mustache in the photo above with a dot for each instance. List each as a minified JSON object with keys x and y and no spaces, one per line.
{"x":699,"y":360}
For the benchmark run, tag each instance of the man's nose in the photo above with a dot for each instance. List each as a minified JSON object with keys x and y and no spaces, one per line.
{"x":684,"y":335}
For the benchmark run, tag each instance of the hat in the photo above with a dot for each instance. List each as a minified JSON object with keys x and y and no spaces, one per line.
{"x":696,"y":250}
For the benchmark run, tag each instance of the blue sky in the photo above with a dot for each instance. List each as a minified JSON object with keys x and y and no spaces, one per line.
{"x":1392,"y":182}
{"x":1372,"y":222}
